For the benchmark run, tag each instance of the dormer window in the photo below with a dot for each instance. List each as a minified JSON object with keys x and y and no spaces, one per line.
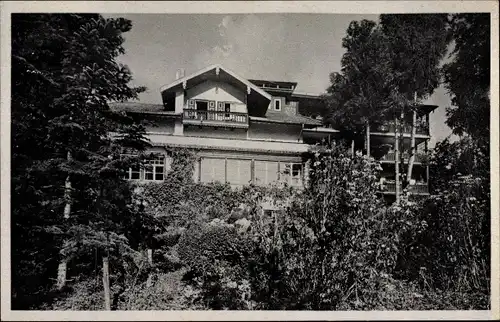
{"x":277,"y":104}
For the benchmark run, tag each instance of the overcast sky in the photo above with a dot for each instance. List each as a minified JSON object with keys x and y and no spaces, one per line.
{"x":304,"y":48}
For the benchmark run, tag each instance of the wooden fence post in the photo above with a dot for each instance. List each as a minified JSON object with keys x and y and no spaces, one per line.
{"x":105,"y":282}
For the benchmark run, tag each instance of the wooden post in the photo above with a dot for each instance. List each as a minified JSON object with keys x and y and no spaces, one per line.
{"x":252,"y":171}
{"x":427,"y":165}
{"x":105,"y":282}
{"x":396,"y":157}
{"x":352,"y":148}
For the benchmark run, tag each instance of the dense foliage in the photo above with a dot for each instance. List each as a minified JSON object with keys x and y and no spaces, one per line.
{"x":336,"y":245}
{"x":69,"y":201}
{"x":383,"y":67}
{"x":469,"y":86}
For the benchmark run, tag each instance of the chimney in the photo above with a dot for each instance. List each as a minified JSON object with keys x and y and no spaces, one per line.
{"x":179,"y":73}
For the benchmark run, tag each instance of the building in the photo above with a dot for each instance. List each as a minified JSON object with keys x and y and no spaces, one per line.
{"x":246,"y":131}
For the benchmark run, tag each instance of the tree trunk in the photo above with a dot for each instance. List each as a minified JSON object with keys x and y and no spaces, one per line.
{"x":150,"y":256}
{"x":368,"y":139}
{"x":412,"y":146}
{"x":401,"y":147}
{"x":61,"y":275}
{"x":62,"y":269}
{"x":105,"y":282}
{"x":396,"y":158}
{"x":412,"y":140}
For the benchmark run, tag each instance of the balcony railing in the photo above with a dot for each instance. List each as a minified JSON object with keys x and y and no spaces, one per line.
{"x":391,"y":157}
{"x":417,"y":188}
{"x":216,"y":116}
{"x":390,"y":127}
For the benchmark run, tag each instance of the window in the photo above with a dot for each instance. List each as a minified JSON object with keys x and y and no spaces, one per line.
{"x":227,"y":109}
{"x":239,"y":171}
{"x":277,"y":104}
{"x":213,"y":169}
{"x":292,"y":174}
{"x":133,"y":173}
{"x":265,"y":172}
{"x":154,"y":169}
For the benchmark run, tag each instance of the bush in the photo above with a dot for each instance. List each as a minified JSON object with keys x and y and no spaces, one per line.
{"x":452,"y":250}
{"x":332,"y":242}
{"x":165,"y":292}
{"x":84,"y":295}
{"x":217,"y":259}
{"x":331,"y":245}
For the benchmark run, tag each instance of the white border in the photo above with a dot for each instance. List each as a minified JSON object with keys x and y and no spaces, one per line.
{"x":320,"y":7}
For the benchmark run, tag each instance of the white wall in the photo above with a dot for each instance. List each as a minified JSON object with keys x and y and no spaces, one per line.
{"x":274,"y":131}
{"x":211,"y":132}
{"x":220,"y":92}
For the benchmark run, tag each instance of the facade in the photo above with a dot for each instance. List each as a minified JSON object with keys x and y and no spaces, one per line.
{"x":245,"y":131}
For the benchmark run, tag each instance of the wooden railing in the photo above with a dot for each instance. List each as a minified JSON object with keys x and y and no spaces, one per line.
{"x":391,"y":157}
{"x":390,"y":187}
{"x":216,"y":116}
{"x":390,"y":127}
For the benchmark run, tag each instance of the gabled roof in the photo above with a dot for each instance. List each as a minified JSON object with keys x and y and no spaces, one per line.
{"x":214,"y":67}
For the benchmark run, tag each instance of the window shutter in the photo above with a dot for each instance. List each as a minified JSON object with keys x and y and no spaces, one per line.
{"x":211,"y":105}
{"x":220,"y":106}
{"x":191,"y":103}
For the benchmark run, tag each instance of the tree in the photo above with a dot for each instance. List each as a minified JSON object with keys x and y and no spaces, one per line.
{"x":355,"y":95}
{"x":68,"y":196}
{"x":386,"y":70}
{"x":467,"y":76}
{"x":417,"y":43}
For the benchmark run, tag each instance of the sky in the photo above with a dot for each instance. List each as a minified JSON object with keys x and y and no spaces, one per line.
{"x":304,"y":48}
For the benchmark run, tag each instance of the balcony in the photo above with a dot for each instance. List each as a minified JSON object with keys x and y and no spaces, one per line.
{"x":215,"y":118}
{"x":391,"y":157}
{"x":417,"y":188}
{"x":421,"y":128}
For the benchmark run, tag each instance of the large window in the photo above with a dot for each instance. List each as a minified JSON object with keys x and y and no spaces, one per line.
{"x":239,"y":171}
{"x":213,"y":169}
{"x":154,"y":169}
{"x":265,"y":172}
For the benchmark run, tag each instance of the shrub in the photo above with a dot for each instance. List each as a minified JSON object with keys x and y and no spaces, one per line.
{"x":84,"y":295}
{"x":165,"y":292}
{"x":452,"y":250}
{"x":332,"y":242}
{"x":217,"y":259}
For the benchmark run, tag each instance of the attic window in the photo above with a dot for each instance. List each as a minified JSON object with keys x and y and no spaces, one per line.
{"x":277,"y":104}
